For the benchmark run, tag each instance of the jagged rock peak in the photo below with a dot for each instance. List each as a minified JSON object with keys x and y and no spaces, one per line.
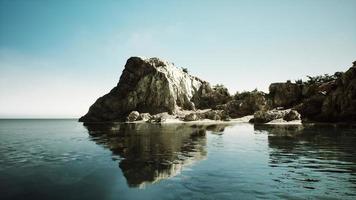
{"x":146,"y":85}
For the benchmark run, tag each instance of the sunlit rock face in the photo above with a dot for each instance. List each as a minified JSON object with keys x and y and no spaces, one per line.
{"x":146,"y":85}
{"x":149,"y":153}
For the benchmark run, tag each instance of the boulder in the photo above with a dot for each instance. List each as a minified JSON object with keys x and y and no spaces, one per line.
{"x":160,"y":117}
{"x":133,"y":116}
{"x":292,"y":115}
{"x":191,"y":117}
{"x":146,"y":85}
{"x":269,"y":115}
{"x":144,"y":117}
{"x":215,"y":115}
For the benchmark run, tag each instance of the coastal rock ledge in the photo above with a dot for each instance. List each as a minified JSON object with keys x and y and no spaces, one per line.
{"x":147,"y":86}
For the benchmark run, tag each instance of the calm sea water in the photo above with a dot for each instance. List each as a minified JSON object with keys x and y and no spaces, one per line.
{"x":63,"y":159}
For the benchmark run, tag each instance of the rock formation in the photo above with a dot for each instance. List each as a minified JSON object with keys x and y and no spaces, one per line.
{"x":292,"y":115}
{"x":333,"y":101}
{"x":321,"y":99}
{"x":285,"y":94}
{"x":270,"y":115}
{"x":146,"y":85}
{"x":161,"y":91}
{"x":245,"y":103}
{"x":210,"y":97}
{"x":133,"y":116}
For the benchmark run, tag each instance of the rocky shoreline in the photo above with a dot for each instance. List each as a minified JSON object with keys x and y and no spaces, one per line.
{"x":155,"y":91}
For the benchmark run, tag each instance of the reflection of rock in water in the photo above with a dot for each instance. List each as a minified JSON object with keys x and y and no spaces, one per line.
{"x":318,"y":147}
{"x":152,"y":152}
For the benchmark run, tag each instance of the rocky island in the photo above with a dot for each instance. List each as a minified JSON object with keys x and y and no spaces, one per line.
{"x":156,"y":91}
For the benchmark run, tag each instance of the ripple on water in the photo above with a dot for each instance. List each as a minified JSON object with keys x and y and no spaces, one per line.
{"x":241,"y":162}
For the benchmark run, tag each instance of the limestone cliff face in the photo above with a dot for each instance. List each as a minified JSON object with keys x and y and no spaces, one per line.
{"x":146,"y":85}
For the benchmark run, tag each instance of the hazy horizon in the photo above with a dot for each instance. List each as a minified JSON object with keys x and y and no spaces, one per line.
{"x":57,"y":58}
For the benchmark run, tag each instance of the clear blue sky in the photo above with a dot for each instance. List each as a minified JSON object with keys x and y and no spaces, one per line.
{"x":57,"y":57}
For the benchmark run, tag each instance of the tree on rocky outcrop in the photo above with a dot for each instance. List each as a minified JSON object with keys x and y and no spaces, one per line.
{"x":323,"y":78}
{"x":299,"y":81}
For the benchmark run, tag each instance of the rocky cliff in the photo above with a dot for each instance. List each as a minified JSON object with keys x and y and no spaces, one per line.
{"x":154,"y":90}
{"x":146,"y":85}
{"x":332,"y":101}
{"x":320,"y":99}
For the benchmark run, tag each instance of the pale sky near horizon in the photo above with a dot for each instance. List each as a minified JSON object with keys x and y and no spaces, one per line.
{"x":58,"y":57}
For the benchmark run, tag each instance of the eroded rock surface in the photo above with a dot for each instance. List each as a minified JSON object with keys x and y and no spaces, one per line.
{"x":161,"y":91}
{"x":285,"y":94}
{"x":191,"y":117}
{"x":210,"y":97}
{"x":324,"y":98}
{"x":334,"y":101}
{"x":144,"y":116}
{"x":245,"y":103}
{"x":133,"y":116}
{"x":146,"y":85}
{"x":265,"y":116}
{"x":292,"y":115}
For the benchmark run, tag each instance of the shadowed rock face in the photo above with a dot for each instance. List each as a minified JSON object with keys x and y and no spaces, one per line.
{"x":149,"y":153}
{"x":245,"y":103}
{"x":210,"y":97}
{"x":325,"y":101}
{"x":285,"y":94}
{"x":335,"y":101}
{"x":146,"y":85}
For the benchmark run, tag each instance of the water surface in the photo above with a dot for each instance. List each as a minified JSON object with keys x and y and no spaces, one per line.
{"x":64,"y":159}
